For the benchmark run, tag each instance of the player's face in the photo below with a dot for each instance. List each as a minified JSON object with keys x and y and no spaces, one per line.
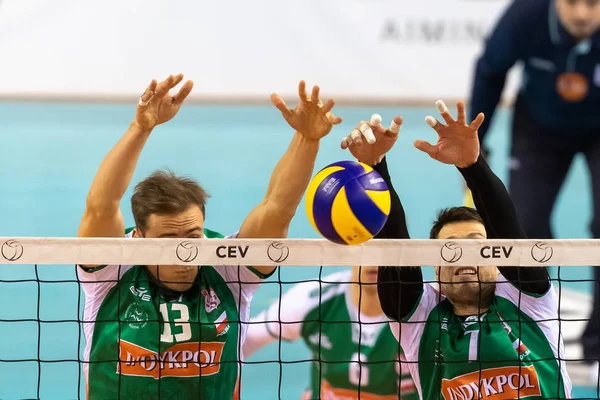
{"x":189,"y":225}
{"x":581,"y":18}
{"x":367,"y":275}
{"x":466,"y":285}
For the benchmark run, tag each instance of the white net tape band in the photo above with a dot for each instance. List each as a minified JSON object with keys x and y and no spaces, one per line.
{"x":298,"y":252}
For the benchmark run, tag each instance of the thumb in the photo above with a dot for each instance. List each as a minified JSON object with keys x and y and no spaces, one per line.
{"x":426,"y":147}
{"x":394,"y":129}
{"x":279,"y":103}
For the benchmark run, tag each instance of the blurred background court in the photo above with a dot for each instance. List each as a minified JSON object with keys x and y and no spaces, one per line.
{"x":50,"y":153}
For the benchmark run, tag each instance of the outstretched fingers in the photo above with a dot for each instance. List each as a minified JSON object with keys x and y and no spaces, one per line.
{"x":426,"y":147}
{"x":328,"y":106}
{"x":279,"y":103}
{"x":183,"y":93}
{"x":461,"y":113}
{"x":395,"y":126}
{"x":176,"y":80}
{"x":333,"y":120}
{"x":353,"y":139}
{"x":434,"y":123}
{"x":476,"y":124}
{"x":444,"y":112}
{"x":163,"y":87}
{"x":302,"y":91}
{"x":148,"y":93}
{"x":315,"y":94}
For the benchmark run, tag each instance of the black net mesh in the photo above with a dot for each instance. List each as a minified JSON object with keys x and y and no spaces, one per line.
{"x":314,"y":333}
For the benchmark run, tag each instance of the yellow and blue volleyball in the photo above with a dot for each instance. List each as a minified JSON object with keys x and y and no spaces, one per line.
{"x":347,"y":202}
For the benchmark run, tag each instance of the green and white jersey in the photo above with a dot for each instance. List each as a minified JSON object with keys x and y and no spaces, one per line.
{"x":352,"y":360}
{"x":168,"y":347}
{"x":511,"y":351}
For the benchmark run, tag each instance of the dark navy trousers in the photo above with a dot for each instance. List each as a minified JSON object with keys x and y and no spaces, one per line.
{"x":540,"y":160}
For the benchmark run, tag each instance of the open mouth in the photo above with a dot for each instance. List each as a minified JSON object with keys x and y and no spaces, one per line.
{"x":466,"y":271}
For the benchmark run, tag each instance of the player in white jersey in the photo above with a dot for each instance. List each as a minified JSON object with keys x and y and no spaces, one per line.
{"x":139,"y":317}
{"x":492,"y":332}
{"x":325,"y":315}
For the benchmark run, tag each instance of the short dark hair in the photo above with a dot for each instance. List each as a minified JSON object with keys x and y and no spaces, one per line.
{"x":163,"y":192}
{"x":451,"y":215}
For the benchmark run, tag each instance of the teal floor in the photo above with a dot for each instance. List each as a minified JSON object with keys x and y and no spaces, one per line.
{"x":49,"y":155}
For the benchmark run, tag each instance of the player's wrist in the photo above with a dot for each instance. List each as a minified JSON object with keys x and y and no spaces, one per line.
{"x":373,"y":162}
{"x":307,"y":137}
{"x":485,"y":152}
{"x":137,"y":128}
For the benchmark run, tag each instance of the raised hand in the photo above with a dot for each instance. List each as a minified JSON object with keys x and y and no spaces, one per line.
{"x":372,"y":153}
{"x":310,"y":117}
{"x":458,"y":143}
{"x":156,"y":106}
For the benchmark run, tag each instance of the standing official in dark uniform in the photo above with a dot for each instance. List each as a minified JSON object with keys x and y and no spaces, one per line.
{"x":556,"y":114}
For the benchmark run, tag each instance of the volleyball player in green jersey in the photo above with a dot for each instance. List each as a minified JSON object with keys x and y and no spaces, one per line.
{"x":173,"y":332}
{"x":325,"y":316}
{"x":492,"y":333}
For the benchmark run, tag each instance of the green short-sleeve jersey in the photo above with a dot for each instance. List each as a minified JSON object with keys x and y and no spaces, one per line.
{"x":355,"y":356}
{"x":514,"y":350}
{"x":143,"y":342}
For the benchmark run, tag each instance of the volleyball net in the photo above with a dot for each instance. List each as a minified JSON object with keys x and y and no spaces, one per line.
{"x":44,"y":318}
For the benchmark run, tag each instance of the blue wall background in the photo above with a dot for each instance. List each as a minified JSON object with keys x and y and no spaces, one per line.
{"x":50,"y":153}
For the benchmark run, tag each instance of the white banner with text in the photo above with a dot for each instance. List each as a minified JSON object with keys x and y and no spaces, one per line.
{"x":354,"y":49}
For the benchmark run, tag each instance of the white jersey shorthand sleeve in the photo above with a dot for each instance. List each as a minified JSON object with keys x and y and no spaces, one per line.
{"x":283,"y":320}
{"x":96,"y":284}
{"x":98,"y":281}
{"x":410,"y":330}
{"x":242,"y":281}
{"x":543,"y":309}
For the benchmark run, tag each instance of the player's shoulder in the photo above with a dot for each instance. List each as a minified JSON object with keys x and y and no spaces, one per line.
{"x":323,"y":293}
{"x":507,"y":290}
{"x":210,"y":234}
{"x":321,"y":289}
{"x":329,"y":287}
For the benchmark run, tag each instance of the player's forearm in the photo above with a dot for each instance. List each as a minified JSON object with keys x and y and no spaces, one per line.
{"x":395,"y":226}
{"x":501,"y":222}
{"x":492,"y":201}
{"x":115,"y":172}
{"x":291,"y":177}
{"x":399,"y":288}
{"x":257,"y":336}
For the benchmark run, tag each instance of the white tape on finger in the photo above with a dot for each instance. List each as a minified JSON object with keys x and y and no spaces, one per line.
{"x":375,"y":120}
{"x":367,"y":133}
{"x":354,"y":134}
{"x":394,"y":127}
{"x":431,"y":121}
{"x":441,"y":106}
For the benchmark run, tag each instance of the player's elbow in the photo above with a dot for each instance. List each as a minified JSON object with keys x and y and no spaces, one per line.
{"x":266,"y":221}
{"x":278,"y":214}
{"x":98,"y":207}
{"x":101,"y":222}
